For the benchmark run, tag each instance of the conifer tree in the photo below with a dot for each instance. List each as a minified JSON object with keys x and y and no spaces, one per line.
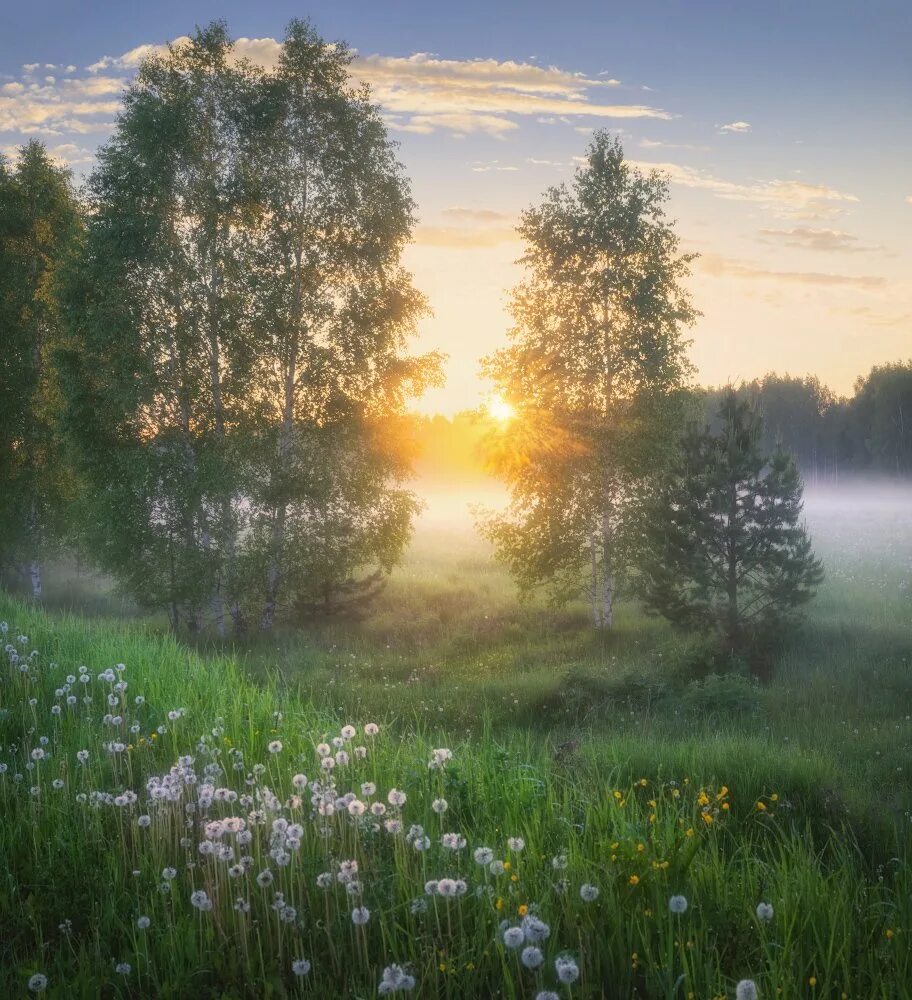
{"x":725,"y":550}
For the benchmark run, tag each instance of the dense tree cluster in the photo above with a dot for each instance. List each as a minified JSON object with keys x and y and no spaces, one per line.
{"x":835,"y":439}
{"x":218,"y":333}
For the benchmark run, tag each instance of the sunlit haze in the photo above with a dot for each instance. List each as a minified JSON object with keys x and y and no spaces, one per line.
{"x":784,"y":135}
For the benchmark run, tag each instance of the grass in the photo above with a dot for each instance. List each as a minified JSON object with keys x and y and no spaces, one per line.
{"x":620,"y":755}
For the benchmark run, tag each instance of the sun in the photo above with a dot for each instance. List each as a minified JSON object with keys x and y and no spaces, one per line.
{"x":500,"y":409}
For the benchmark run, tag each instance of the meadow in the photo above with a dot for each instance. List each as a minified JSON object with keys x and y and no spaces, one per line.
{"x":460,"y":794}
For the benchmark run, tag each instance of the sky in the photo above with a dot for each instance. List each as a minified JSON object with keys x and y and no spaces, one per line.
{"x":785,"y":131}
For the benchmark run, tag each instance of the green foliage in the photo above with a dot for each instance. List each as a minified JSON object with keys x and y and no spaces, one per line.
{"x":728,"y":820}
{"x":39,"y":223}
{"x":724,"y":549}
{"x":595,"y":372}
{"x":238,"y":322}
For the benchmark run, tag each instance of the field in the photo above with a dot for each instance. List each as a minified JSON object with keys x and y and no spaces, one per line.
{"x":594,"y":780}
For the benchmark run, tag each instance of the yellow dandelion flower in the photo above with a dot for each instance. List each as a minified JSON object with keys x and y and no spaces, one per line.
{"x":634,"y":879}
{"x":522,"y":910}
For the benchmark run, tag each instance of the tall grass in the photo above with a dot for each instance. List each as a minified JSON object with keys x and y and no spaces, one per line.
{"x":728,"y":818}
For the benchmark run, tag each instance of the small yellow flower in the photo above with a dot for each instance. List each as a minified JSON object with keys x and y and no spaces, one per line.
{"x":812,"y":981}
{"x":774,"y":797}
{"x":707,"y":818}
{"x":470,"y":966}
{"x":634,"y":879}
{"x":617,"y":794}
{"x":522,"y":910}
{"x":643,"y":782}
{"x":702,"y":799}
{"x":514,"y":878}
{"x":499,"y":904}
{"x":724,"y":807}
{"x":761,"y":806}
{"x":690,"y":832}
{"x":641,"y":848}
{"x":507,"y":866}
{"x":888,"y":934}
{"x":443,"y":966}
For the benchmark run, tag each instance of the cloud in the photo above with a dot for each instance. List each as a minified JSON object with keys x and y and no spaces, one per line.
{"x":736,"y":127}
{"x":481,"y":167}
{"x":477,"y":214}
{"x":459,"y":238}
{"x":789,"y":198}
{"x":876,"y":318}
{"x":830,"y":240}
{"x":458,"y":123}
{"x":717,"y":267}
{"x":656,"y":144}
{"x":68,"y":105}
{"x":447,"y":94}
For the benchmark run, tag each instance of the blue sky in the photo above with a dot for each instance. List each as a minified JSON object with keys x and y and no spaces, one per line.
{"x":784,"y":129}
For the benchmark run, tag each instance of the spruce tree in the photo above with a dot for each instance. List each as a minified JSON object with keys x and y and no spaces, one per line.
{"x":725,"y":549}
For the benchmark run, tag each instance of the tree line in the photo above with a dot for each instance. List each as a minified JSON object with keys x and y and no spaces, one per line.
{"x":206,"y":368}
{"x":832,"y":438}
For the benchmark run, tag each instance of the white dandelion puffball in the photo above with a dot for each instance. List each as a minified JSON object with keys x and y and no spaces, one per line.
{"x":396,"y":798}
{"x":300,"y":966}
{"x":395,"y":979}
{"x":200,"y":899}
{"x":547,"y":995}
{"x":765,"y":912}
{"x":677,"y":904}
{"x":371,"y":729}
{"x":38,"y":982}
{"x":123,"y":968}
{"x":483,"y":855}
{"x":516,"y":844}
{"x":589,"y":893}
{"x":440,"y":806}
{"x":360,"y":915}
{"x":143,"y":923}
{"x":532,"y":957}
{"x":275,"y":746}
{"x":746,"y":990}
{"x":566,"y":969}
{"x":513,"y":937}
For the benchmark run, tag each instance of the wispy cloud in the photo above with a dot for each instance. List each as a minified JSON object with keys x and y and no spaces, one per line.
{"x":718,"y":266}
{"x":877,"y":318}
{"x":789,"y":198}
{"x":736,"y":127}
{"x":465,"y":238}
{"x":829,"y":240}
{"x":423,"y":93}
{"x":484,"y":215}
{"x":657,"y":144}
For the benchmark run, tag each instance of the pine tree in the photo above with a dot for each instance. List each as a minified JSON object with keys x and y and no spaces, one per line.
{"x":724,"y":549}
{"x":595,"y":374}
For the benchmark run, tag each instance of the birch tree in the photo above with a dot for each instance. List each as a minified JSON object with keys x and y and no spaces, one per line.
{"x":594,"y":371}
{"x":334,"y":311}
{"x":160,"y":344}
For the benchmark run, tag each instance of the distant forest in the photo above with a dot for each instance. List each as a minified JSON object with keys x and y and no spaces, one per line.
{"x":833,"y":439}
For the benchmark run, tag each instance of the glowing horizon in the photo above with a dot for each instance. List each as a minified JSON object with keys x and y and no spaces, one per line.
{"x":775,"y":154}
